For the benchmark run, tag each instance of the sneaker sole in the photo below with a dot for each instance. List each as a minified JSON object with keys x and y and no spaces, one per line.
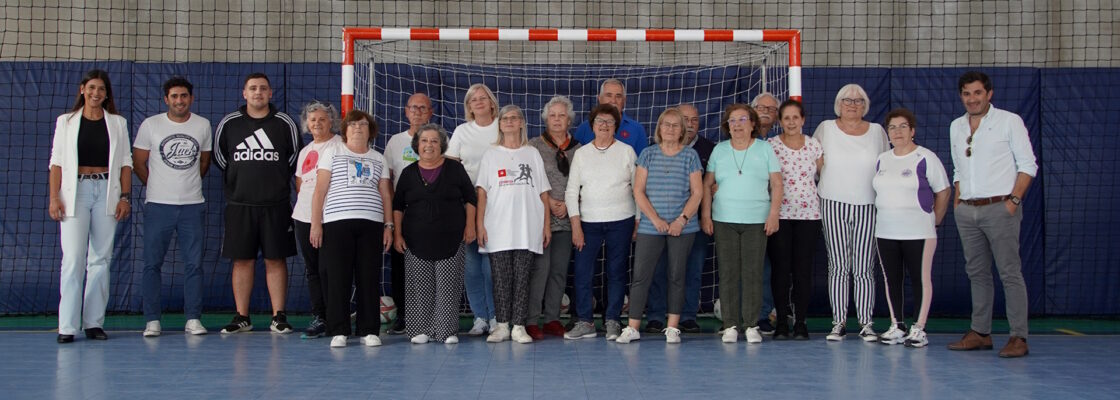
{"x":834,"y":338}
{"x":151,"y":334}
{"x":870,"y":339}
{"x":280,"y":331}
{"x":239,"y":330}
{"x":586,"y":336}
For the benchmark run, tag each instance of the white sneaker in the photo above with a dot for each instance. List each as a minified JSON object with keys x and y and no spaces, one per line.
{"x":628,"y":335}
{"x":338,"y":341}
{"x":916,"y":338}
{"x":480,"y":327}
{"x":837,"y":334}
{"x":893,"y":336}
{"x":499,"y":334}
{"x":194,"y":327}
{"x":520,"y":336}
{"x":151,"y":329}
{"x":493,"y":323}
{"x":672,"y":335}
{"x":868,"y":334}
{"x":753,"y":335}
{"x":451,"y":340}
{"x":730,"y":335}
{"x":420,"y":339}
{"x":371,"y":340}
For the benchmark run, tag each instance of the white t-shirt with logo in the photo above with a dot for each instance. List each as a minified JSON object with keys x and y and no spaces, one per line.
{"x":174,"y":152}
{"x":513,"y":180}
{"x":353,"y":191}
{"x":307,"y":169}
{"x":905,"y":189}
{"x":399,"y":154}
{"x":469,"y":141}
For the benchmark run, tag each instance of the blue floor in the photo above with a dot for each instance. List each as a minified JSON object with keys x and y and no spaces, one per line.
{"x":268,"y":366}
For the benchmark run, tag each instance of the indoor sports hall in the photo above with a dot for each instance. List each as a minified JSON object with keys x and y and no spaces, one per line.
{"x":1052,"y":63}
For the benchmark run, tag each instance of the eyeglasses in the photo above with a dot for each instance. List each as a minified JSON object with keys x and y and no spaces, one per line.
{"x":418,"y":108}
{"x":510,"y":118}
{"x":738,"y":121}
{"x":604,"y":121}
{"x":670,"y":125}
{"x":903,"y":126}
{"x":358,"y":124}
{"x":769,"y":109}
{"x":694,"y":120}
{"x":968,"y":151}
{"x":853,"y":102}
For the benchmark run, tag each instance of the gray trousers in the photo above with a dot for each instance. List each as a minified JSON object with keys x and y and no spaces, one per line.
{"x":740,"y":249}
{"x":647,"y":253}
{"x":549,"y":278}
{"x":989,"y":232}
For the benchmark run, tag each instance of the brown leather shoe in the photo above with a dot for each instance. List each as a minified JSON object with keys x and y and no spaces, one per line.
{"x":972,"y":341}
{"x":1016,"y":347}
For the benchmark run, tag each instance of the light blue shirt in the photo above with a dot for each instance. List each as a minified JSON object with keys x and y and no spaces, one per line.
{"x":743,"y":177}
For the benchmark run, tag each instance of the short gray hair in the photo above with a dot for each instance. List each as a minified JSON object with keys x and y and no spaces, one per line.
{"x":851,"y":87}
{"x":764,"y":94}
{"x":561,"y":100}
{"x":603,"y":86}
{"x":315,"y":106}
{"x":430,"y":127}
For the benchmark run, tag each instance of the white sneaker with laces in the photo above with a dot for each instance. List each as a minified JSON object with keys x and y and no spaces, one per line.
{"x":893,"y":336}
{"x":499,"y":334}
{"x":194,"y":327}
{"x":152,"y":329}
{"x":672,"y":335}
{"x":754,"y":335}
{"x":371,"y":340}
{"x":519,"y":335}
{"x":451,"y":340}
{"x":628,"y":335}
{"x":480,"y":327}
{"x":730,"y":335}
{"x":338,"y":341}
{"x":837,"y":334}
{"x":868,"y":334}
{"x":419,"y":339}
{"x":916,"y":338}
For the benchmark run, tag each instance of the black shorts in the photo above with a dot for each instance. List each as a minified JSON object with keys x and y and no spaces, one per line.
{"x":253,"y":229}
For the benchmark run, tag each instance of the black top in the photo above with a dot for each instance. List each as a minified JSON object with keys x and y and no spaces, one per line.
{"x":93,"y":143}
{"x":434,"y":216}
{"x":704,"y":148}
{"x":258,"y":156}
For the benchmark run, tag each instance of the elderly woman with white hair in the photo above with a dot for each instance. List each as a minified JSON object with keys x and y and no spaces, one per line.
{"x":511,"y":220}
{"x":851,"y":147}
{"x":550,"y":270}
{"x":468,"y":142}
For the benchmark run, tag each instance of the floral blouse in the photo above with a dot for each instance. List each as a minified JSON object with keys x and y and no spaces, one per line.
{"x":799,"y":179}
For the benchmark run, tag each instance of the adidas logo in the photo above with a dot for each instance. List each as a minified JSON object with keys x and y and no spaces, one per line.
{"x":256,"y":148}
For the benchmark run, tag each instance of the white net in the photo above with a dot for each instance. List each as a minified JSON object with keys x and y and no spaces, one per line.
{"x":657,"y":75}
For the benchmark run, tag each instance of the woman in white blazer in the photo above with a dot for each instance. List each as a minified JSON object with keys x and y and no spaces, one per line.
{"x":90,"y":182}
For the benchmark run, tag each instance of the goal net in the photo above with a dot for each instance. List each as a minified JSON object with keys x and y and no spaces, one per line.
{"x":661,"y":68}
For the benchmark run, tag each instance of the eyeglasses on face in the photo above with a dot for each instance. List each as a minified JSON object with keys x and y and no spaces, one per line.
{"x":358,"y":124}
{"x":853,"y":102}
{"x":903,"y":126}
{"x":738,"y":121}
{"x":604,"y":121}
{"x":511,"y":118}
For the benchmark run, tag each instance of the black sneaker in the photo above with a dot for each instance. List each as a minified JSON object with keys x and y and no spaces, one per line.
{"x":655,"y":326}
{"x":316,"y":329}
{"x":781,"y":332}
{"x":280,"y":323}
{"x":800,"y":331}
{"x":689,"y":326}
{"x":764,"y":327}
{"x":397,"y":328}
{"x":240,"y":323}
{"x":96,"y":334}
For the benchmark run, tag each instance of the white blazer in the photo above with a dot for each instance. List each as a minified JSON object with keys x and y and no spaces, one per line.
{"x":64,"y":153}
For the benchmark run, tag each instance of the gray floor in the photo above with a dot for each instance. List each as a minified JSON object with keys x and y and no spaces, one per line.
{"x":268,"y":366}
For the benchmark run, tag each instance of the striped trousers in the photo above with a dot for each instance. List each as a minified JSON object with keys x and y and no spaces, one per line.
{"x":849,"y":233}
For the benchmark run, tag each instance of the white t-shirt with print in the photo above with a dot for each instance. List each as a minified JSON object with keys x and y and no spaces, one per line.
{"x":905,"y":188}
{"x":513,"y":180}
{"x":307,"y":169}
{"x":399,"y":154}
{"x":174,"y":152}
{"x":469,"y":142}
{"x":353,"y":191}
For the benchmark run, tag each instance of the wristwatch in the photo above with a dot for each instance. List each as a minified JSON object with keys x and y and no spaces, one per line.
{"x":126,"y":197}
{"x":1015,"y":199}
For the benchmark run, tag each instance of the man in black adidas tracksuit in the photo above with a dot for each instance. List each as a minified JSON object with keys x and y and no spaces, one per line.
{"x":256,"y":147}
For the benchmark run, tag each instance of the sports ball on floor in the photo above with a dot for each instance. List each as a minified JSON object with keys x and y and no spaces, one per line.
{"x":388,"y":309}
{"x":716,"y":310}
{"x":565,"y":304}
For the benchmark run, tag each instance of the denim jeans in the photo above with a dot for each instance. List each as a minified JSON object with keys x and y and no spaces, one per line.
{"x":87,"y":250}
{"x":480,"y":287}
{"x":160,"y":221}
{"x":616,"y":236}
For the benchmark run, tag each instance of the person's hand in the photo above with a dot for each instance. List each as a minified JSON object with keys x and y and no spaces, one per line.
{"x":715,"y":187}
{"x":707,"y":226}
{"x":56,"y":210}
{"x":771,"y":225}
{"x":676,"y":227}
{"x":1011,"y":207}
{"x":469,"y":234}
{"x":547,"y":236}
{"x":577,"y":238}
{"x":316,"y":235}
{"x":559,"y":209}
{"x":659,"y":224}
{"x":482,"y":236}
{"x":387,"y":242}
{"x":398,"y":242}
{"x":123,"y":207}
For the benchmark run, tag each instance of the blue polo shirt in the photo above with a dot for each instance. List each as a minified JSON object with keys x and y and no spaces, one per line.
{"x":629,"y":132}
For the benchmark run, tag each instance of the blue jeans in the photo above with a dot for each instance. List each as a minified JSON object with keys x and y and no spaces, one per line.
{"x":160,"y":221}
{"x":480,"y":287}
{"x":655,"y":311}
{"x":767,"y":296}
{"x":616,"y":236}
{"x":87,"y":250}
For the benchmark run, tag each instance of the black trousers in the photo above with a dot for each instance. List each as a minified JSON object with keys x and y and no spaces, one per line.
{"x":311,"y":269}
{"x":396,"y":280}
{"x":791,"y":252}
{"x":900,"y":257}
{"x":351,"y":258}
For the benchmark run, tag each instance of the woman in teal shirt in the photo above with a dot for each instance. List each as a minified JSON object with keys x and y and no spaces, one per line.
{"x":740,"y":216}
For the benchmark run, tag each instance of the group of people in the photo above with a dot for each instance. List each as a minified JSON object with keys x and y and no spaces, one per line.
{"x":492,"y":212}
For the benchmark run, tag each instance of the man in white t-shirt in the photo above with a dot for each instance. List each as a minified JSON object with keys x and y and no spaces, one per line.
{"x":399,"y":154}
{"x":171,"y":155}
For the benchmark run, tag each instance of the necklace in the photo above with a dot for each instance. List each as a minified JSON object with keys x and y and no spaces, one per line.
{"x":739,"y":163}
{"x":603,"y":149}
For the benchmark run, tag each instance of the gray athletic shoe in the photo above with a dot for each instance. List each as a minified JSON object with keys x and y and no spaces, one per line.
{"x":614,"y":329}
{"x":581,"y":330}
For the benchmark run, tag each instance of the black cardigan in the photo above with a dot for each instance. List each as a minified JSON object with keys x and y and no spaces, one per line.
{"x":434,"y":214}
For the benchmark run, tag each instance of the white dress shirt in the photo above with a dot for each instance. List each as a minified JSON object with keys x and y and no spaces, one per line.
{"x":1001,"y":149}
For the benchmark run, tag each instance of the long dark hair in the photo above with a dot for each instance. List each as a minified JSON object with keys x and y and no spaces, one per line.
{"x":108,"y":104}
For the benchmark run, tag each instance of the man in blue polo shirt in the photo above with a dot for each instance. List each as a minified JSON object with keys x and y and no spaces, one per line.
{"x":629,"y":131}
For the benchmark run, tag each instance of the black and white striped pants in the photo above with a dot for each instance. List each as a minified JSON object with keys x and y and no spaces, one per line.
{"x":849,"y":233}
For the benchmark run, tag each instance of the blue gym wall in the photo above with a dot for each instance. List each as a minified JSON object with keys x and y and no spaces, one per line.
{"x":1068,"y":227}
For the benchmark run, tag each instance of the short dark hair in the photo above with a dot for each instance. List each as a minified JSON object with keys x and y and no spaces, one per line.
{"x":973,"y":76}
{"x":791,"y":103}
{"x":605,"y":109}
{"x":430,"y":127}
{"x":724,"y":126}
{"x":904,"y":113}
{"x":256,"y":75}
{"x":358,"y":115}
{"x":177,"y":81}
